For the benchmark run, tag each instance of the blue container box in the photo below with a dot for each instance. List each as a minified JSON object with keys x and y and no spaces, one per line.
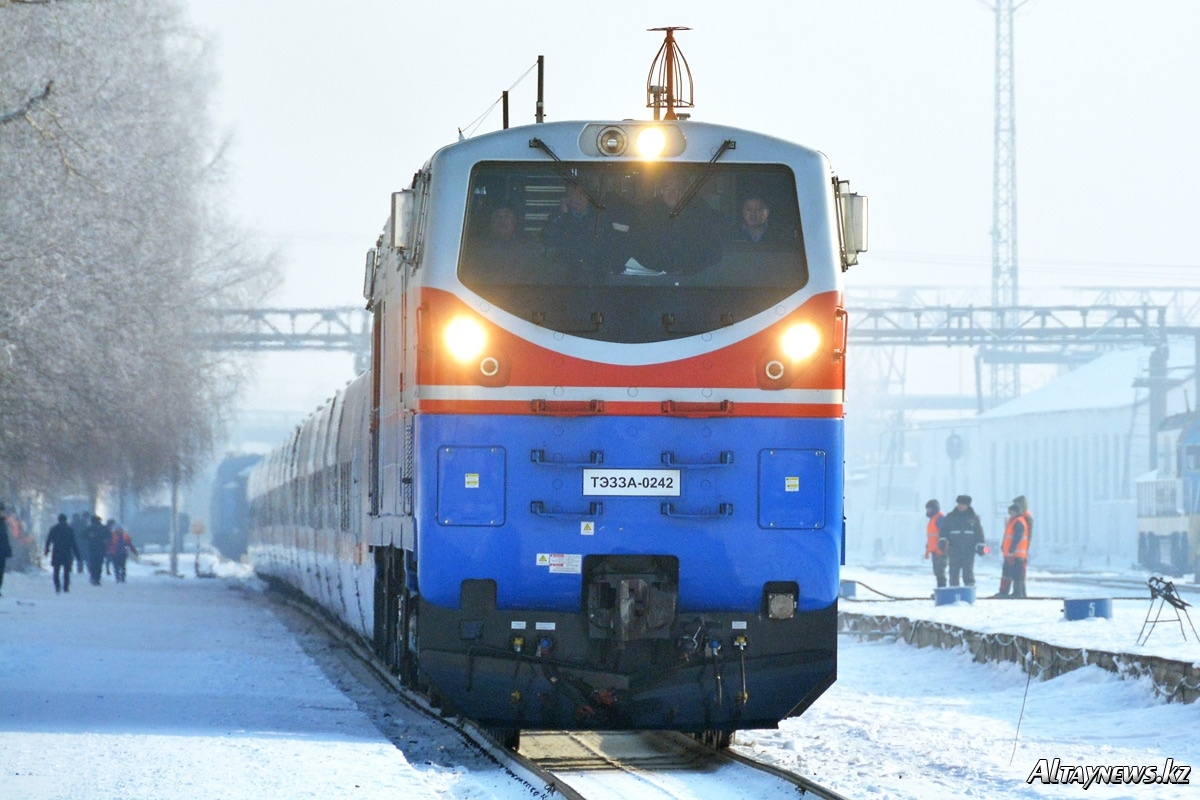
{"x":1088,"y":608}
{"x":847,"y":589}
{"x":954,"y":594}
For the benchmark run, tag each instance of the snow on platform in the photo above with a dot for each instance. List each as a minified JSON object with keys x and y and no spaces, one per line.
{"x":168,"y":687}
{"x":996,"y":629}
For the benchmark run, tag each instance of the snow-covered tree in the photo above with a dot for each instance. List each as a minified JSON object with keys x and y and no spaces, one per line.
{"x":112,"y":246}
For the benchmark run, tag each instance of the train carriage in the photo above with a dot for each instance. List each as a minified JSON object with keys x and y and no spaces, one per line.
{"x":593,"y":478}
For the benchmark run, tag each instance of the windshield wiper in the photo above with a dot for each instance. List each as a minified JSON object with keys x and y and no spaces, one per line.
{"x":698,"y":184}
{"x":564,"y":173}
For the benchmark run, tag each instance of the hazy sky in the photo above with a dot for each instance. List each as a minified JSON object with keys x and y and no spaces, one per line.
{"x":332,"y":107}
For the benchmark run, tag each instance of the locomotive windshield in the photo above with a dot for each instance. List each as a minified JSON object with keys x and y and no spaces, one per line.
{"x":632,"y":252}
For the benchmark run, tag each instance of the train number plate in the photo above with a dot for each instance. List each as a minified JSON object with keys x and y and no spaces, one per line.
{"x":663,"y":482}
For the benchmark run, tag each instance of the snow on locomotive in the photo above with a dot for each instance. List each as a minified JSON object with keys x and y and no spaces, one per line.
{"x":593,"y":478}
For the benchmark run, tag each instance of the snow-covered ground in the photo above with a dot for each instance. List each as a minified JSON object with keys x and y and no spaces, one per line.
{"x":187,"y":688}
{"x":1041,"y":619}
{"x":903,"y":722}
{"x":169,"y":687}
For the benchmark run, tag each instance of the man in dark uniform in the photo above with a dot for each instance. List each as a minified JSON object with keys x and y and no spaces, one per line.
{"x":963,"y":533}
{"x":5,"y":545}
{"x":61,"y":540}
{"x":674,"y":236}
{"x":95,"y":539}
{"x":586,"y":241}
{"x":79,"y":523}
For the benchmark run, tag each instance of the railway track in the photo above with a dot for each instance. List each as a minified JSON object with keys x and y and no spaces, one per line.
{"x":623,"y":764}
{"x":582,"y":765}
{"x":1137,"y":589}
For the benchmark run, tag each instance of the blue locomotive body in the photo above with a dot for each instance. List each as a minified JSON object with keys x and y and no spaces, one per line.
{"x":534,"y":472}
{"x":590,"y":483}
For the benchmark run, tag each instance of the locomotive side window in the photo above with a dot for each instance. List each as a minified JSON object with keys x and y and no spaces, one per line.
{"x":1191,"y":458}
{"x":632,"y":252}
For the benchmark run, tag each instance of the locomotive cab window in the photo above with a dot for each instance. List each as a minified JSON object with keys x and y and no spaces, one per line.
{"x":632,"y":252}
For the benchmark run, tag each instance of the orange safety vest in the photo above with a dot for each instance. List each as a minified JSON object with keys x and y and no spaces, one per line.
{"x":933,"y":535}
{"x":121,"y":541}
{"x":1022,"y":547}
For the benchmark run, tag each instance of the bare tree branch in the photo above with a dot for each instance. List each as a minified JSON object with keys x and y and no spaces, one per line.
{"x":22,"y":110}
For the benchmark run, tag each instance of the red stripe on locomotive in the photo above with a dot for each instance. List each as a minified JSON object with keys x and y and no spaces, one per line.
{"x":735,"y":366}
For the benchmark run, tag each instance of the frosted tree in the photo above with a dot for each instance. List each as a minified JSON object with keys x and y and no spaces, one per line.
{"x":112,"y":247}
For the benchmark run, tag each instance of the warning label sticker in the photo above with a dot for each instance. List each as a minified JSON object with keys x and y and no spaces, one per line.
{"x":571,"y":563}
{"x":472,"y":480}
{"x":587,"y":528}
{"x":791,"y":483}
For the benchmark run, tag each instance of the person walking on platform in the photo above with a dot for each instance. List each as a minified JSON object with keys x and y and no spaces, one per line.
{"x":79,"y":523}
{"x":963,"y":533}
{"x":118,"y":551}
{"x":1015,"y":549}
{"x":95,"y":538}
{"x":935,"y":545}
{"x":61,"y":540}
{"x":108,"y":535}
{"x":5,"y":545}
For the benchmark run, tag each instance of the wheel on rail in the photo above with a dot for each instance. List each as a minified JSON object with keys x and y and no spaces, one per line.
{"x":406,"y":624}
{"x":717,"y":740}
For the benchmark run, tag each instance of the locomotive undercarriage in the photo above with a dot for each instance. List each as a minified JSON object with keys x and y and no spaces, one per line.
{"x":700,"y":672}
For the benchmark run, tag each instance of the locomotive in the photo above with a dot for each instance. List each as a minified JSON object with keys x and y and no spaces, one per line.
{"x":1169,"y":501}
{"x":593,"y":476}
{"x":228,"y":516}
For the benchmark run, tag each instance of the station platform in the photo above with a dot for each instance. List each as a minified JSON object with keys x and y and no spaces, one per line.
{"x":188,"y":687}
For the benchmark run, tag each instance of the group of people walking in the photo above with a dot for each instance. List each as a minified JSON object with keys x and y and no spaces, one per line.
{"x":102,"y":544}
{"x":953,"y":540}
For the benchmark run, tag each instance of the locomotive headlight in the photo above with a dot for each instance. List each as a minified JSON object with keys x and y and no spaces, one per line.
{"x":800,"y":341}
{"x":612,"y":141}
{"x":651,"y":142}
{"x":464,"y":338}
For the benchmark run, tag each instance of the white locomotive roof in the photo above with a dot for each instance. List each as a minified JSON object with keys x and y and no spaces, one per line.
{"x":563,"y":137}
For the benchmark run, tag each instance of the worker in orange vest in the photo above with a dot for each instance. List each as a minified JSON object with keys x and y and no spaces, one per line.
{"x":1020,"y":500}
{"x":935,"y":545}
{"x":1015,"y":549}
{"x":119,"y":548}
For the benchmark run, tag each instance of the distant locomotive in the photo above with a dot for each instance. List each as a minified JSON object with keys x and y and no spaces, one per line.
{"x":228,"y":516}
{"x":593,"y":478}
{"x":1169,"y":501}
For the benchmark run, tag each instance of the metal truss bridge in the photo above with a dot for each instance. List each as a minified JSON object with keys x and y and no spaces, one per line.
{"x":1017,"y":334}
{"x":344,"y":329}
{"x":1064,"y":334}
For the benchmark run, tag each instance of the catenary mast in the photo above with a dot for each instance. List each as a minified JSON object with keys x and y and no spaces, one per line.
{"x":1005,"y":371}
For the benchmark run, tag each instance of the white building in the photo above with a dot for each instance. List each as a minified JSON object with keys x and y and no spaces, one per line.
{"x":1073,"y":447}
